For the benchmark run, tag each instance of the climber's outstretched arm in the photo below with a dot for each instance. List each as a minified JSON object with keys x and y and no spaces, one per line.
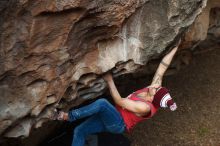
{"x":137,"y":107}
{"x":164,"y":64}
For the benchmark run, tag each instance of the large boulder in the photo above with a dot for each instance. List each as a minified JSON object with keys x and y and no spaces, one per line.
{"x":53,"y":52}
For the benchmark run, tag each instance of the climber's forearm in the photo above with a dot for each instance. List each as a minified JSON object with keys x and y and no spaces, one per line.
{"x":164,"y":64}
{"x":114,"y":92}
{"x":168,"y":58}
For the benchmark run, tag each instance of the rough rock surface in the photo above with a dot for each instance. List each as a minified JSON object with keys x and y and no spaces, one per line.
{"x":203,"y":25}
{"x":53,"y":52}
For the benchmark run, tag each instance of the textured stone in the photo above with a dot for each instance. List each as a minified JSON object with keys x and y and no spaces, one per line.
{"x":53,"y":52}
{"x":198,"y":31}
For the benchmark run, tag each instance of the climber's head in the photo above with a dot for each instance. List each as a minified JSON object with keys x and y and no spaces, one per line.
{"x":162,"y":98}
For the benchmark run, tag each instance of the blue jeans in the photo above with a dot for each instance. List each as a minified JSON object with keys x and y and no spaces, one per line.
{"x":103,"y":117}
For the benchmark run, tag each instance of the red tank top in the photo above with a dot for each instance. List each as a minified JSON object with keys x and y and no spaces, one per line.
{"x":130,"y":118}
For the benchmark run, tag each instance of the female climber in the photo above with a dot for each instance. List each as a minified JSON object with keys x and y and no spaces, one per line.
{"x":138,"y":106}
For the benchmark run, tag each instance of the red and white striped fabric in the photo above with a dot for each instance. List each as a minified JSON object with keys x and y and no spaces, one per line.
{"x":163,"y":99}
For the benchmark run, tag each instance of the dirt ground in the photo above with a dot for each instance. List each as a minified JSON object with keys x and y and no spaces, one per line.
{"x":196,"y":90}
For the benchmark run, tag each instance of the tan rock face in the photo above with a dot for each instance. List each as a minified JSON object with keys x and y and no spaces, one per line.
{"x":53,"y":52}
{"x":199,"y":30}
